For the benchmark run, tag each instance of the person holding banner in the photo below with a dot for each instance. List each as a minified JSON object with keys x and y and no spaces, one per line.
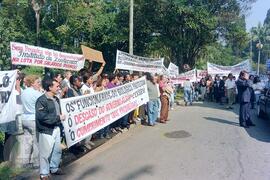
{"x":48,"y":120}
{"x":202,"y":88}
{"x":152,"y":105}
{"x":29,"y":97}
{"x":209,"y":88}
{"x":165,"y":92}
{"x":65,"y":83}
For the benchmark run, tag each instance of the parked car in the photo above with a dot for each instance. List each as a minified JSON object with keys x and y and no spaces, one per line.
{"x":263,"y":108}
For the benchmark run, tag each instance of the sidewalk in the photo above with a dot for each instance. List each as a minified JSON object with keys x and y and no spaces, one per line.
{"x":68,"y":158}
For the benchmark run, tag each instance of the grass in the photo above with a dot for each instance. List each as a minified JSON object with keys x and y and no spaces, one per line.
{"x":179,"y":95}
{"x":7,"y":172}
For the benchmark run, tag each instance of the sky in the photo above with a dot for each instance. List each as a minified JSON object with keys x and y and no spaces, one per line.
{"x":258,"y":13}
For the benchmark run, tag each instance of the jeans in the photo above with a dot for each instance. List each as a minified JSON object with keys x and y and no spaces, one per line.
{"x":124,"y":121}
{"x":257,"y":98}
{"x":159,"y":108}
{"x":152,"y":109}
{"x":172,"y":100}
{"x":188,"y":95}
{"x":50,"y":152}
{"x":203,"y":90}
{"x":29,"y":147}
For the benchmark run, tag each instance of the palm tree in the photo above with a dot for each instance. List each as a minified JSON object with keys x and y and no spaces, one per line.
{"x":261,"y":36}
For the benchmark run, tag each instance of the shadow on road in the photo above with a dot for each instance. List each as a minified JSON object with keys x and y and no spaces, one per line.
{"x":136,"y":174}
{"x":222,"y":121}
{"x":84,"y":175}
{"x":260,"y":132}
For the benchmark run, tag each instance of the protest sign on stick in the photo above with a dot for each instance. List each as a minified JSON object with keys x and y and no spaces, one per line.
{"x":23,"y":54}
{"x":92,"y":54}
{"x":7,"y":96}
{"x":89,"y":113}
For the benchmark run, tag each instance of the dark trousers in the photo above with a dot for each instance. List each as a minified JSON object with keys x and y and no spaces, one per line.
{"x":244,"y":114}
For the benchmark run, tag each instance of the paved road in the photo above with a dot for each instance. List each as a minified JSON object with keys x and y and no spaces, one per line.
{"x":214,"y":148}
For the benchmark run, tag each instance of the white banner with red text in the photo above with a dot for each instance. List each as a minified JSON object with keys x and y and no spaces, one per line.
{"x":7,"y":96}
{"x":89,"y":113}
{"x":23,"y":54}
{"x":201,"y":74}
{"x":214,"y":69}
{"x":191,"y":75}
{"x":130,"y":62}
{"x":173,"y":69}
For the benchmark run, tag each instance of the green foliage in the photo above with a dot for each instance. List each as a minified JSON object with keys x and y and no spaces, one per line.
{"x":33,"y":70}
{"x":7,"y":172}
{"x":2,"y":138}
{"x":179,"y":30}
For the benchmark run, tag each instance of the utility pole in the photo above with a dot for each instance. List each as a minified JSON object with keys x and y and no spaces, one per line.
{"x":259,"y":46}
{"x":250,"y":49}
{"x":131,"y":5}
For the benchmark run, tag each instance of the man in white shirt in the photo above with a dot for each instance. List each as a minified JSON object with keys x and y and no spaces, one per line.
{"x":230,"y":87}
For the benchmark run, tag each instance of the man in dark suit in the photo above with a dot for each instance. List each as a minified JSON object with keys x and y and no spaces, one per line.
{"x":244,"y":91}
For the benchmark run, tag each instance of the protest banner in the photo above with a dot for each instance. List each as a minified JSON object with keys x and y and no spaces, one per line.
{"x":92,"y":54}
{"x":191,"y":75}
{"x":23,"y":54}
{"x":130,"y":62}
{"x":165,"y":71}
{"x":214,"y":69}
{"x":173,"y":69}
{"x":201,"y":74}
{"x":7,"y":96}
{"x":89,"y":113}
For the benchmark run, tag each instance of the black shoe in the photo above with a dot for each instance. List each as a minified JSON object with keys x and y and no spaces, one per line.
{"x":58,"y":172}
{"x":251,"y":124}
{"x":244,"y":125}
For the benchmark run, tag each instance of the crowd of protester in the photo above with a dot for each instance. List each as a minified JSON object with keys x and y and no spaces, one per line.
{"x":41,"y":116}
{"x":228,"y":90}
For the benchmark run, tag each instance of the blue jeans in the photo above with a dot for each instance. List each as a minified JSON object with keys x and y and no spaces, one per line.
{"x":124,"y":121}
{"x":152,"y":110}
{"x":187,"y":95}
{"x":159,"y":107}
{"x":50,"y":152}
{"x":172,"y":100}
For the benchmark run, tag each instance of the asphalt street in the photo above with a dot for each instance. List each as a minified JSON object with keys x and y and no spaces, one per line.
{"x":200,"y":142}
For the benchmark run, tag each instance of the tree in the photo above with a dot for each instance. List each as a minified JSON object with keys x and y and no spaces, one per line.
{"x":261,"y":34}
{"x":267,"y":19}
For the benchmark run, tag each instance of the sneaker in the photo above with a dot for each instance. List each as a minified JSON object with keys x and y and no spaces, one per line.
{"x":108,"y":136}
{"x":58,"y":172}
{"x":44,"y":177}
{"x":101,"y":136}
{"x":114,"y":130}
{"x":125,"y":130}
{"x":88,"y":146}
{"x":91,"y":143}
